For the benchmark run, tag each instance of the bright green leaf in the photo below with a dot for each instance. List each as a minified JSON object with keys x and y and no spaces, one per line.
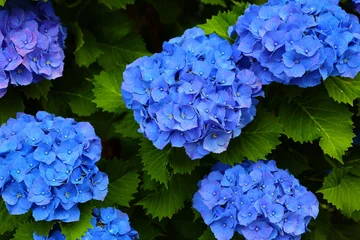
{"x":128,"y":127}
{"x":166,"y":202}
{"x":116,"y":4}
{"x":257,"y":140}
{"x":10,"y":222}
{"x":38,"y":90}
{"x":75,"y":230}
{"x":122,"y":190}
{"x":107,"y":91}
{"x":342,"y":190}
{"x":180,"y":162}
{"x":214,"y":2}
{"x":344,"y":90}
{"x":2,"y":3}
{"x":155,"y":161}
{"x":314,"y":116}
{"x":219,"y":24}
{"x":10,"y":104}
{"x":26,"y":230}
{"x":89,"y":52}
{"x":125,"y":51}
{"x":78,"y":35}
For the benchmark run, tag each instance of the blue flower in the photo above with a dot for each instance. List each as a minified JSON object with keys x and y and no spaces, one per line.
{"x":298,"y":42}
{"x":31,"y":44}
{"x":257,"y":200}
{"x":192,"y":94}
{"x":47,"y":165}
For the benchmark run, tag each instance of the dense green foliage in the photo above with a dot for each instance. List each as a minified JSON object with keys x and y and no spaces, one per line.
{"x":308,"y":131}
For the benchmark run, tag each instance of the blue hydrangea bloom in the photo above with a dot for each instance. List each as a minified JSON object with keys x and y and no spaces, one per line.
{"x":257,"y":200}
{"x":47,"y":164}
{"x":31,"y":43}
{"x":298,"y":42}
{"x":356,"y":3}
{"x":53,"y":235}
{"x":191,"y":94}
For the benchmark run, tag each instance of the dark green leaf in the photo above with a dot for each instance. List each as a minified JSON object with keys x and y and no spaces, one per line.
{"x":292,"y":160}
{"x":78,"y":35}
{"x":146,"y":230}
{"x":207,"y":235}
{"x":80,"y":99}
{"x":344,"y":90}
{"x":180,"y":162}
{"x":214,"y":2}
{"x":10,"y":222}
{"x":10,"y":104}
{"x":116,"y":4}
{"x":163,"y":6}
{"x":89,"y":52}
{"x":38,"y":90}
{"x":128,"y":127}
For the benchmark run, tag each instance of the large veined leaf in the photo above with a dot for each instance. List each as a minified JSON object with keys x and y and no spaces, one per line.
{"x":214,"y":2}
{"x":342,"y":189}
{"x":220,"y":24}
{"x":116,"y":4}
{"x":257,"y":140}
{"x":107,"y":91}
{"x":26,"y":231}
{"x":127,"y":126}
{"x":180,"y":162}
{"x":89,"y":52}
{"x":75,"y":230}
{"x":155,"y":161}
{"x":344,"y":90}
{"x":123,"y":52}
{"x":168,"y":201}
{"x":122,"y":190}
{"x":316,"y":116}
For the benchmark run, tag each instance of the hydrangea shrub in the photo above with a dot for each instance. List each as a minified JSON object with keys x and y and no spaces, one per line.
{"x":48,"y":165}
{"x":153,"y":94}
{"x":31,"y":43}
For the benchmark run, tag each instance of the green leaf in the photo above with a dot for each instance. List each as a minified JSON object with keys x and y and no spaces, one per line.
{"x":10,"y":222}
{"x":75,"y":230}
{"x":214,"y":2}
{"x":2,"y":2}
{"x":125,"y":51}
{"x":344,"y":90}
{"x":292,"y":160}
{"x":38,"y":90}
{"x":122,"y":190}
{"x":79,"y":37}
{"x":219,"y":24}
{"x":115,"y":26}
{"x":89,"y":52}
{"x":146,"y":230}
{"x":80,"y":99}
{"x":26,"y":230}
{"x":341,"y":188}
{"x":314,"y":116}
{"x":116,"y":4}
{"x":207,"y":235}
{"x":128,"y":127}
{"x":239,"y":8}
{"x":257,"y":140}
{"x":163,"y":6}
{"x":155,"y":161}
{"x":107,"y":91}
{"x":166,"y":202}
{"x":10,"y":104}
{"x":180,"y":162}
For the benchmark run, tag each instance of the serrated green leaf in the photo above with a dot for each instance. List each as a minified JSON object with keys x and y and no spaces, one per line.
{"x":10,"y":222}
{"x":163,"y":6}
{"x":75,"y":230}
{"x":314,"y":116}
{"x":344,"y":90}
{"x":79,"y":37}
{"x":10,"y":104}
{"x":127,"y":126}
{"x":341,"y":189}
{"x":220,"y":24}
{"x":239,"y":8}
{"x":214,"y":2}
{"x":207,"y":235}
{"x":257,"y":140}
{"x":80,"y":99}
{"x":125,"y":51}
{"x":26,"y":230}
{"x":116,"y":4}
{"x":107,"y":91}
{"x":166,"y":202}
{"x":89,"y":52}
{"x":122,"y":190}
{"x":37,"y":91}
{"x":148,"y":183}
{"x":180,"y":162}
{"x":155,"y":161}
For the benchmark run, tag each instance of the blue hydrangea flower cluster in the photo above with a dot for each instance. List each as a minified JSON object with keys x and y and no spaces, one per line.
{"x":47,"y":164}
{"x":299,"y":41}
{"x":257,"y":200}
{"x":108,"y":224}
{"x":357,"y":5}
{"x":191,"y":94}
{"x":31,"y":44}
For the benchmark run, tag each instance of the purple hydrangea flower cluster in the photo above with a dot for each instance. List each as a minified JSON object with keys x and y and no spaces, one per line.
{"x":108,"y":224}
{"x":47,"y":164}
{"x":257,"y":200}
{"x":31,"y":44}
{"x":357,"y":5}
{"x":191,"y":94}
{"x":299,"y":42}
